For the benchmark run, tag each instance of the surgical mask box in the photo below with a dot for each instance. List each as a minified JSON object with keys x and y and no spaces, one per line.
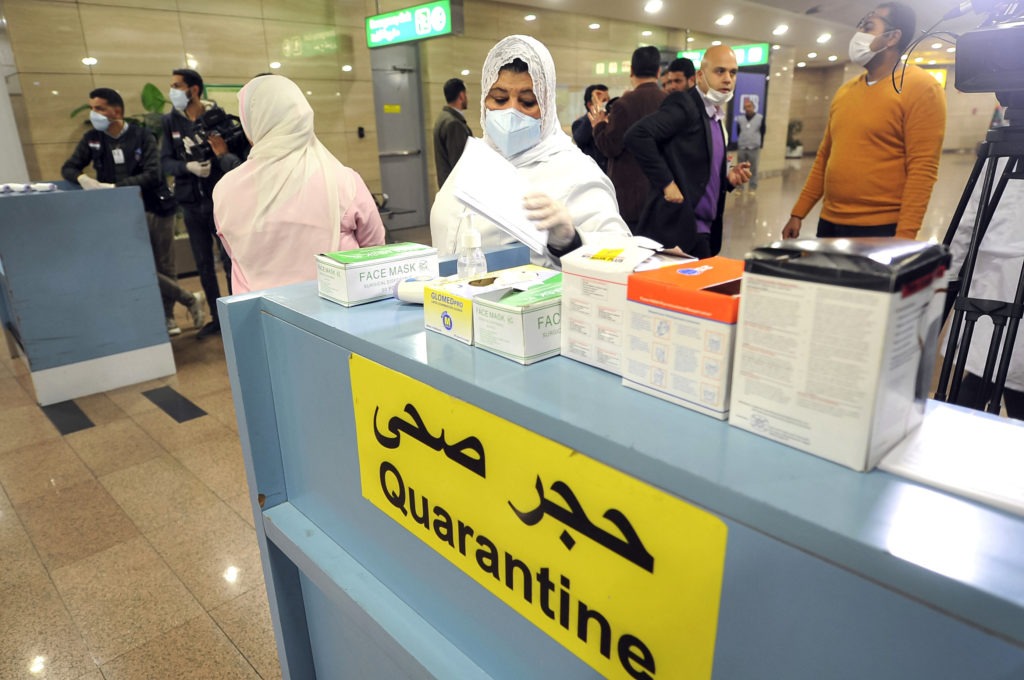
{"x":448,"y":305}
{"x":594,"y":299}
{"x":680,"y":328}
{"x":836,"y":344}
{"x":521,"y":325}
{"x":352,"y":277}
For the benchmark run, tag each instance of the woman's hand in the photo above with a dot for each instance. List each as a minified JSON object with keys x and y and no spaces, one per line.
{"x":549,"y":215}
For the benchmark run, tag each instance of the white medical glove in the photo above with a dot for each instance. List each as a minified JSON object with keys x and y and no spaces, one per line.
{"x":551,"y":216}
{"x":87,"y":182}
{"x":198,"y":169}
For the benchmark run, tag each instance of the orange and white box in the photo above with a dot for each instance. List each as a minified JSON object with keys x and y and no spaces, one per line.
{"x":680,"y":333}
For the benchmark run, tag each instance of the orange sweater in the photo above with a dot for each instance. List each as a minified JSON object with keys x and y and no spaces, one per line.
{"x":880,"y":155}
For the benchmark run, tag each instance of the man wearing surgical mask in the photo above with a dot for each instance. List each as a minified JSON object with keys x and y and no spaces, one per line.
{"x":197,"y":169}
{"x":879,"y":158}
{"x":681,"y":148}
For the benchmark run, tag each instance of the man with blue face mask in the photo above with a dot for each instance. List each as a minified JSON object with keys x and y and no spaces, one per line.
{"x":197,"y":164}
{"x":124,"y":155}
{"x":879,"y":157}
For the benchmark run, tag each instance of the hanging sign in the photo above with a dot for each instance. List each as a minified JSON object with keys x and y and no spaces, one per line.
{"x":429,"y":20}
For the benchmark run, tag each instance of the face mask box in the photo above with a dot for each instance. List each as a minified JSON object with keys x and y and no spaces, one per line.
{"x":594,"y":299}
{"x":448,"y":305}
{"x":680,"y":327}
{"x":521,"y":325}
{"x":836,"y":344}
{"x":352,"y":277}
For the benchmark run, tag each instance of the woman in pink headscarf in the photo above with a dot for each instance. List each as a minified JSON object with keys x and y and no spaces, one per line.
{"x":292,"y":198}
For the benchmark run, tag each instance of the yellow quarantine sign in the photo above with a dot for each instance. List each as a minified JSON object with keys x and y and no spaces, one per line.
{"x":623,"y":575}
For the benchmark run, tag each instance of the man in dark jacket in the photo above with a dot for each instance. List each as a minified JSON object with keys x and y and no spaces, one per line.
{"x":681,"y":149}
{"x":595,"y":98}
{"x":197,"y":165}
{"x":451,"y":130}
{"x":631,"y":185}
{"x":125,"y":155}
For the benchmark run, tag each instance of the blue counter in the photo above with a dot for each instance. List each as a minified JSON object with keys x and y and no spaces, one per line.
{"x":828,"y":573}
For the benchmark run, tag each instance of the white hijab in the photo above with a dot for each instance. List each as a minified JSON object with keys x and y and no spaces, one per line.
{"x":542,"y":70}
{"x":285,"y":155}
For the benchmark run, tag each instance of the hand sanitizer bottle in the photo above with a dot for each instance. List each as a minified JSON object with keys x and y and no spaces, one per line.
{"x":471,"y":263}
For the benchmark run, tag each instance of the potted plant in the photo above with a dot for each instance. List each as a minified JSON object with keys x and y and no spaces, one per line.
{"x":794,"y":147}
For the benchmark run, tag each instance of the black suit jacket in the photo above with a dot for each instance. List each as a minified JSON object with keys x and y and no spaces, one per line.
{"x":673,"y":144}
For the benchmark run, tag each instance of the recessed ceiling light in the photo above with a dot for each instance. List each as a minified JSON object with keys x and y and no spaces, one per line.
{"x":346,"y":68}
{"x":918,"y":60}
{"x":275,"y":64}
{"x":951,"y":50}
{"x":936,"y":46}
{"x":832,"y":57}
{"x":780,"y":29}
{"x":903,"y":57}
{"x":464,"y":72}
{"x":530,"y":17}
{"x":812,"y":55}
{"x":785,"y":68}
{"x":54,"y":92}
{"x":824,"y":38}
{"x":716,"y":43}
{"x":778,"y":74}
{"x":192,"y":63}
{"x":594,"y":27}
{"x":646,"y":34}
{"x":653,"y":6}
{"x":724,"y":20}
{"x":309,"y":92}
{"x":931,"y":62}
{"x":689,"y":39}
{"x":776,"y":47}
{"x":801,"y":64}
{"x":90,"y":61}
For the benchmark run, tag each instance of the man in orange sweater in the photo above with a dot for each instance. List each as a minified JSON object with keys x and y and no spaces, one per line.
{"x":879,"y":158}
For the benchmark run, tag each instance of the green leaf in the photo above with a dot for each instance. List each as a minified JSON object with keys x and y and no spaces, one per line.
{"x":153,"y":99}
{"x":83,"y":107}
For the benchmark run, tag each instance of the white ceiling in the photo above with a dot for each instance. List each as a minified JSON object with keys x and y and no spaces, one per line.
{"x":754,"y":21}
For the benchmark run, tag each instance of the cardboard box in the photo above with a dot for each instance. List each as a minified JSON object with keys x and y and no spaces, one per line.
{"x":448,"y":305}
{"x":594,"y":299}
{"x":523,"y":326}
{"x":836,"y":343}
{"x":680,"y":330}
{"x":352,"y":277}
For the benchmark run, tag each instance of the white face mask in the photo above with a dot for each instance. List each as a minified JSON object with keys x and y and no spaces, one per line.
{"x":512,"y":131}
{"x":714,"y":96}
{"x":860,"y":48}
{"x":99,"y":121}
{"x":179,"y":99}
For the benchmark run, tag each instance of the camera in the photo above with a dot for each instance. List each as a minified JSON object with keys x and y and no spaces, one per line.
{"x":989,"y":58}
{"x":214,"y":121}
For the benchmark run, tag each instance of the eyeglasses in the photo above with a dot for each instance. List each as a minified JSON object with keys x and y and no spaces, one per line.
{"x":865,"y":24}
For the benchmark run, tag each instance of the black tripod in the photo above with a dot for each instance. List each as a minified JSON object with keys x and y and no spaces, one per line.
{"x":1005,"y":142}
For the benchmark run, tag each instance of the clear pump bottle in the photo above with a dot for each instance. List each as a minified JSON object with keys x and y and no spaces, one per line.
{"x":471,"y":263}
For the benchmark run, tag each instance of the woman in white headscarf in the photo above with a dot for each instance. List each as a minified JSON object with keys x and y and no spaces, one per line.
{"x":570,"y":197}
{"x":292,"y":198}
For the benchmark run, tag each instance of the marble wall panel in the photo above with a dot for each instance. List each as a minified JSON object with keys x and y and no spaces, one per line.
{"x":228,"y":49}
{"x":46,"y":36}
{"x":132,"y":41}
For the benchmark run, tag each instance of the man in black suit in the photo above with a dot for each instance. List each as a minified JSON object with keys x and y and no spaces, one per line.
{"x":682,"y":150}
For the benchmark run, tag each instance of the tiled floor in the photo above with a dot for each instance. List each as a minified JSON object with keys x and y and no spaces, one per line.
{"x":127,"y":549}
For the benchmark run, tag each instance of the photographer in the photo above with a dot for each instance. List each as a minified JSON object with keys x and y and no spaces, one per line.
{"x":200,"y":144}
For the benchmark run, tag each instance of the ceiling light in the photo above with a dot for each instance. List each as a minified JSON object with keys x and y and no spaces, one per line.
{"x":776,"y":47}
{"x":275,"y":64}
{"x":951,"y":50}
{"x":936,"y":46}
{"x":918,"y":60}
{"x":801,"y":64}
{"x":464,"y":72}
{"x":689,"y":39}
{"x":530,"y":17}
{"x":832,"y":57}
{"x":903,"y":57}
{"x":346,"y":68}
{"x":716,"y":43}
{"x":309,"y":92}
{"x":54,"y":92}
{"x":646,"y":34}
{"x":594,"y":27}
{"x":724,"y":20}
{"x":90,"y":61}
{"x":824,"y":38}
{"x":780,"y":29}
{"x":192,"y":63}
{"x":931,"y":62}
{"x":777,"y":73}
{"x":812,"y":55}
{"x":653,"y":6}
{"x":785,"y":68}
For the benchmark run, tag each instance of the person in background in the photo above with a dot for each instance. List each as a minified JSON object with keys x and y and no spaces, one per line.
{"x":879,"y":159}
{"x":126,"y":155}
{"x":196,"y":172}
{"x":291,"y":199}
{"x":451,"y":129}
{"x":571,"y":198}
{"x":680,"y":76}
{"x":681,"y":148}
{"x":595,"y":98}
{"x":610,"y":128}
{"x":751,"y":139}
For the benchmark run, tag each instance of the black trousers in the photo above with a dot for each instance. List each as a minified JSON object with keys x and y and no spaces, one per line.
{"x":201,"y":235}
{"x":974,"y":393}
{"x":828,"y":229}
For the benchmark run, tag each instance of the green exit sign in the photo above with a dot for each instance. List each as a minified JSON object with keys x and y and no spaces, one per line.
{"x":429,"y":20}
{"x":746,"y":55}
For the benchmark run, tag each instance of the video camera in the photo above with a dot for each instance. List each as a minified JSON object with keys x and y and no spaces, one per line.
{"x":991,"y":57}
{"x":215,"y":121}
